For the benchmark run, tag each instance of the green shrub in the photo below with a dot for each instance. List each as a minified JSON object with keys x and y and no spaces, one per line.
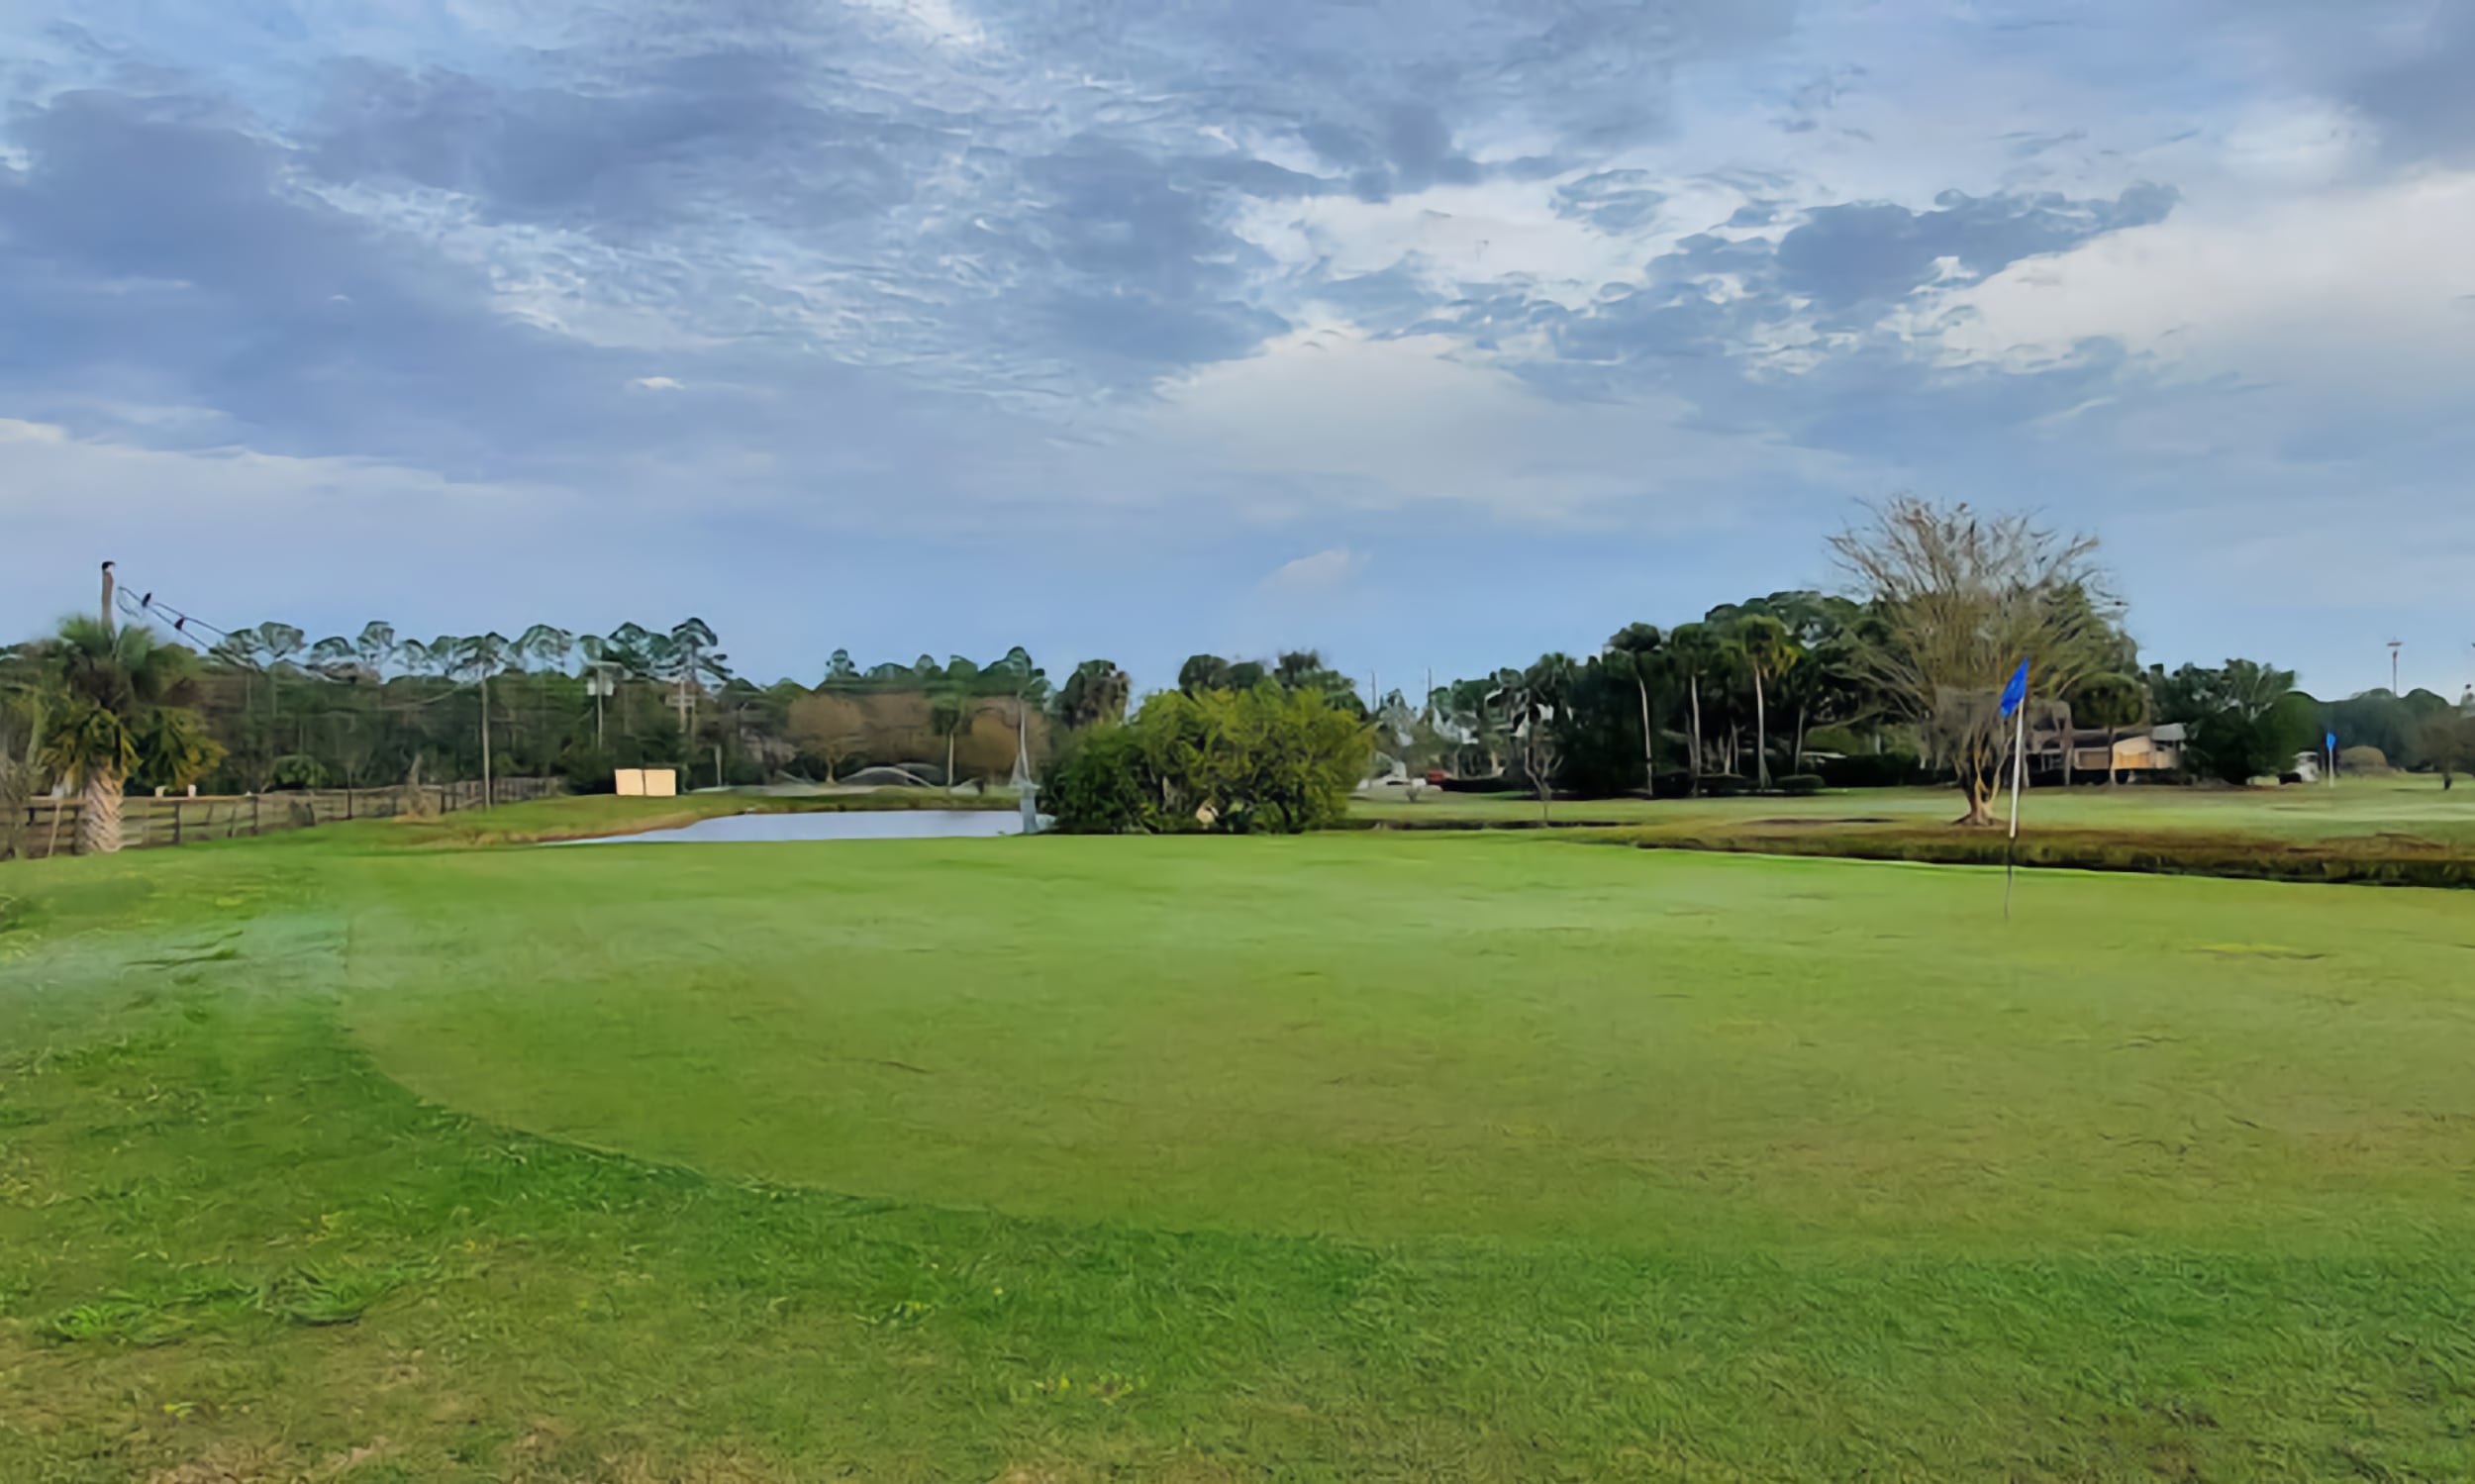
{"x":1801,"y":785}
{"x":1103,"y":783}
{"x":1260,"y":761}
{"x":298,"y":770}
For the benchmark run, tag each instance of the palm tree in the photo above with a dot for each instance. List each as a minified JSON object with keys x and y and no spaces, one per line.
{"x":601,"y":677}
{"x":547,"y":646}
{"x":690,"y":639}
{"x":1693,"y":652}
{"x":1017,"y":676}
{"x":1633,"y":651}
{"x":375,"y":648}
{"x":949,"y":714}
{"x":484,"y":655}
{"x":631,"y":646}
{"x":23,"y":697}
{"x":446,"y":655}
{"x":277,"y":645}
{"x":952,"y":704}
{"x":1770,"y":652}
{"x":115,"y":688}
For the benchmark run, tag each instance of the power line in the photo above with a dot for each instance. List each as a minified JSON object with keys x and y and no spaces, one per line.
{"x":182,"y":623}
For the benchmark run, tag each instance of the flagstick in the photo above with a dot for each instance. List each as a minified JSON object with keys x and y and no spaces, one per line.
{"x":2019,"y":771}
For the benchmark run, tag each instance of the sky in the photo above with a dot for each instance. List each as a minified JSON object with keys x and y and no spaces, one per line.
{"x":1436,"y":334}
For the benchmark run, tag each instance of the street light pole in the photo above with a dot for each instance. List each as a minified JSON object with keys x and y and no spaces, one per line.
{"x":2394,"y":646}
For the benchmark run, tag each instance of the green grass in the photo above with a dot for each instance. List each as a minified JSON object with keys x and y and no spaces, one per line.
{"x":2357,"y":806}
{"x":2387,"y":832}
{"x":1355,"y":1157}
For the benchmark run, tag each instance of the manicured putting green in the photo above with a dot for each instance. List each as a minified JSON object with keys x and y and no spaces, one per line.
{"x":1502,"y":1037}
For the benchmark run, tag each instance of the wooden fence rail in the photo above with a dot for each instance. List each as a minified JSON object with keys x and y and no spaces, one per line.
{"x":46,"y":827}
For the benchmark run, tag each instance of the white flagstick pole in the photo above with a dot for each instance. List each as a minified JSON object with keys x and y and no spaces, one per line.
{"x":2019,"y":771}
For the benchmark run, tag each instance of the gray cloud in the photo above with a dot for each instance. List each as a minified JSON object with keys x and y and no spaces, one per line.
{"x":1788,"y":336}
{"x":151,"y":241}
{"x":152,"y":252}
{"x":649,"y":147}
{"x":1843,"y":256}
{"x":1614,"y":201}
{"x":1388,"y":93}
{"x":2422,"y":94}
{"x":1138,"y":267}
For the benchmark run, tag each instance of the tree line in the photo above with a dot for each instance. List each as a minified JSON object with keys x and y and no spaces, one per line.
{"x":1896,"y":679}
{"x":1892,"y":680}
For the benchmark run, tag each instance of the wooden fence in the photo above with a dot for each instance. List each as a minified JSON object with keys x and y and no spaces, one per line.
{"x":147,"y":821}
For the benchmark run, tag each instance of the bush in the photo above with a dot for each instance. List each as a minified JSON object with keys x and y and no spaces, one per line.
{"x":1259,"y":761}
{"x":298,"y":770}
{"x":1104,"y":784}
{"x":587,"y":769}
{"x":1801,"y":785}
{"x":2363,"y":760}
{"x":1724,"y":786}
{"x":1872,"y":770}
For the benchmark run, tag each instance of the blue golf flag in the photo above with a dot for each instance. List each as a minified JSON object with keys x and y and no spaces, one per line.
{"x":2332,"y":742}
{"x":2016,"y":694}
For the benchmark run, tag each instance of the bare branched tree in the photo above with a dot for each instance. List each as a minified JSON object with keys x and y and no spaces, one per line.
{"x":1963,"y":598}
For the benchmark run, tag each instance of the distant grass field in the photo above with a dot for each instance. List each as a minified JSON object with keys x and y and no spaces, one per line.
{"x":2402,"y":805}
{"x":1355,"y":1157}
{"x":2385,"y":832}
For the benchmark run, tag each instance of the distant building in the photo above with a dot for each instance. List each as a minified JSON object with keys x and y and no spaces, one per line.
{"x":2094,"y":752}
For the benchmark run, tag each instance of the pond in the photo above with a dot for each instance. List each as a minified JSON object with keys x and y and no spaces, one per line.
{"x":855,"y":824}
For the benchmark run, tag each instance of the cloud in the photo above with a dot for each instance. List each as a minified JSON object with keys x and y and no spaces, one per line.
{"x":1617,"y":201}
{"x":184,"y":521}
{"x":1321,"y":572}
{"x":2356,"y":293}
{"x":1390,"y":424}
{"x":1842,"y":257}
{"x":1039,"y":279}
{"x":152,"y":252}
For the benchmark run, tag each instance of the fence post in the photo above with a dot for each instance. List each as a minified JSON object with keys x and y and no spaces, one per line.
{"x":257,"y":816}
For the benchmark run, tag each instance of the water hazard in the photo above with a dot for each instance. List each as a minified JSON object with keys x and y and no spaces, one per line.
{"x":856,"y":823}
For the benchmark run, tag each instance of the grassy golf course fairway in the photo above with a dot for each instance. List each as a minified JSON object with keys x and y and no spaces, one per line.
{"x":1359,"y":1156}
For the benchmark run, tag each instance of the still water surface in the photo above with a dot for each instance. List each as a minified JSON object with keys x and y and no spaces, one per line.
{"x":857,"y":824}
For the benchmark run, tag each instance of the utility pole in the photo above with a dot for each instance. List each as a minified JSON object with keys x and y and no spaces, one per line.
{"x":486,"y":792}
{"x":107,"y":597}
{"x":2395,"y":645}
{"x":600,"y":687}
